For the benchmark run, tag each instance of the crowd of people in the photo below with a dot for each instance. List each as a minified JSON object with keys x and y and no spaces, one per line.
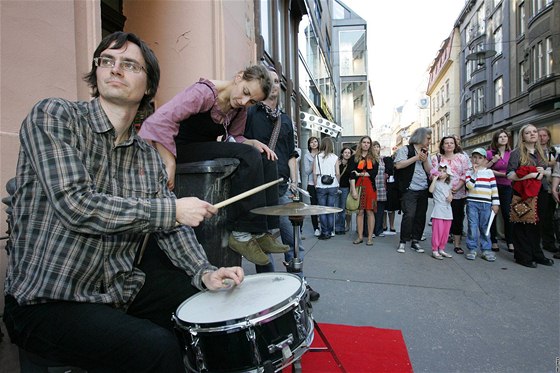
{"x":467,"y":192}
{"x":104,"y":252}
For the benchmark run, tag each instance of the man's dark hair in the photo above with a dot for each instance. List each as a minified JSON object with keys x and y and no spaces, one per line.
{"x":152,"y":65}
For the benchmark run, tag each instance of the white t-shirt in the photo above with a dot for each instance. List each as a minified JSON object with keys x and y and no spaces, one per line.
{"x":442,"y":208}
{"x":326,"y":166}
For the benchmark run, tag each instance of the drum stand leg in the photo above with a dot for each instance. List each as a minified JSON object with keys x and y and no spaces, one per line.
{"x":328,"y":347}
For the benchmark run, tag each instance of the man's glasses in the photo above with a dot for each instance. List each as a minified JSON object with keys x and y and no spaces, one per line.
{"x":125,"y":65}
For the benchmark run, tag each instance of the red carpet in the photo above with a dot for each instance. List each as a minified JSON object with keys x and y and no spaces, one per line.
{"x":360,"y":349}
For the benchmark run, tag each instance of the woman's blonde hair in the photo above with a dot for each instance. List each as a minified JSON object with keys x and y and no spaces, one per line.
{"x":524,"y":157}
{"x":370,"y":154}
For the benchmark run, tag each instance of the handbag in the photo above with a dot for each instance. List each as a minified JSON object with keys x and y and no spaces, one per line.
{"x":523,"y":210}
{"x":351,"y":203}
{"x":325,"y":179}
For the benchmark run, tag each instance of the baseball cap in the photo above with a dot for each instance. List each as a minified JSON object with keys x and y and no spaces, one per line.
{"x":480,"y":151}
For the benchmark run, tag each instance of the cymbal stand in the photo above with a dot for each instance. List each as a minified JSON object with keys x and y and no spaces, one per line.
{"x":295,"y":265}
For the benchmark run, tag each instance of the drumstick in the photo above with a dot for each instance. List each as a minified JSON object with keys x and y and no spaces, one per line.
{"x":246,"y":194}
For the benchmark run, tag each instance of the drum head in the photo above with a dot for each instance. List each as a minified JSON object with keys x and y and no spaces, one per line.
{"x":257,"y":294}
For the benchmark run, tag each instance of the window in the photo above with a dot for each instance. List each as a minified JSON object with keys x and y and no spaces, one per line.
{"x":479,"y":100}
{"x":548,"y":59}
{"x":447,"y":131}
{"x":498,"y":40}
{"x":522,"y":82}
{"x":498,"y":91}
{"x":265,"y":26}
{"x":447,"y":90}
{"x":468,"y":107}
{"x":352,"y":52}
{"x":521,"y":19}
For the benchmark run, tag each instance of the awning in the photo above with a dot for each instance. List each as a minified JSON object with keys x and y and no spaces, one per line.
{"x":314,"y":122}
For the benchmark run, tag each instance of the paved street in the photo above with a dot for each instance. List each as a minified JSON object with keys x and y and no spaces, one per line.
{"x":455,"y":315}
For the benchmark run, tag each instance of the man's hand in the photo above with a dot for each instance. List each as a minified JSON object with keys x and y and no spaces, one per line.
{"x":191,"y":211}
{"x":223,"y":278}
{"x":495,"y":209}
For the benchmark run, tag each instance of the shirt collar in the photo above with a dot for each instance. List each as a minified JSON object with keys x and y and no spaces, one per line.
{"x":100,"y":123}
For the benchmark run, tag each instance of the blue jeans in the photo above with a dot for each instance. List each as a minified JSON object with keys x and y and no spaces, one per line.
{"x":327,"y":197}
{"x":287,"y":236}
{"x":340,"y":225}
{"x":478,"y":215}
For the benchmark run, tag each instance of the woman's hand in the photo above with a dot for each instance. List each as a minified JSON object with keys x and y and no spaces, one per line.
{"x":223,"y":278}
{"x":262,"y":148}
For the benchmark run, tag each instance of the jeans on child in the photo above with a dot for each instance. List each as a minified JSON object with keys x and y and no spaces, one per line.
{"x":478,"y":216}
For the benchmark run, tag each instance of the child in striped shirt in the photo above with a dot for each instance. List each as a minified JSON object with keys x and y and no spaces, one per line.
{"x":482,"y":202}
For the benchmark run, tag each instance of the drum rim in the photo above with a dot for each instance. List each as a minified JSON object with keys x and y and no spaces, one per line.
{"x":232,"y":325}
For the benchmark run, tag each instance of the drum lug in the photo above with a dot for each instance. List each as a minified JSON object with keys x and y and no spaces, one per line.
{"x":299,"y":316}
{"x":198,"y":352}
{"x":284,"y":346}
{"x":253,"y":339}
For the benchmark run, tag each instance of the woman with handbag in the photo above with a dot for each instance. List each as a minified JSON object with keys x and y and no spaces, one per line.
{"x":365,"y":166}
{"x":526,"y":168}
{"x":326,"y":176}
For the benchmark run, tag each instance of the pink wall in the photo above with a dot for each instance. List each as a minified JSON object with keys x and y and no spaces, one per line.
{"x":194,"y":39}
{"x":46,"y":47}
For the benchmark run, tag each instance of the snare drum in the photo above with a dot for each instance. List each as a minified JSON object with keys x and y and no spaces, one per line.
{"x":263,"y":322}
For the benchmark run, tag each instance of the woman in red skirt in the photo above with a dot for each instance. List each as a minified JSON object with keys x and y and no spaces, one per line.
{"x":364,"y":166}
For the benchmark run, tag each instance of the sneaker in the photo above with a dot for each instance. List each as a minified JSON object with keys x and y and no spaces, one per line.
{"x":332,"y":234}
{"x":471,"y":255}
{"x":437,"y":255}
{"x":313,"y":295}
{"x":488,"y":256}
{"x":416,"y":247}
{"x":317,"y":232}
{"x":324,"y":237}
{"x":380,"y":235}
{"x":444,"y":254}
{"x":401,"y":248}
{"x":423,"y":238}
{"x":249,"y":249}
{"x":390,"y":232}
{"x":269,"y":244}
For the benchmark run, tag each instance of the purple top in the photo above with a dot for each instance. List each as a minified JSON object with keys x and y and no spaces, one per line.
{"x":163,"y":125}
{"x":500,"y":166}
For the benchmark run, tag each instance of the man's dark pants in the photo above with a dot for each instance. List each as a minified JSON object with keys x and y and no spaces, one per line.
{"x":98,"y":337}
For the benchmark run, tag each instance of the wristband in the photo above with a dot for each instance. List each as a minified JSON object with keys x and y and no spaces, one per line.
{"x":538,"y":174}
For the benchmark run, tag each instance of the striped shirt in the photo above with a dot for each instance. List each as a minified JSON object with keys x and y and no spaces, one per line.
{"x":82,"y":207}
{"x":482,"y":187}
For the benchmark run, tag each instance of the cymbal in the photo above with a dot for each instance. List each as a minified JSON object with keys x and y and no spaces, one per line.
{"x":295,"y":209}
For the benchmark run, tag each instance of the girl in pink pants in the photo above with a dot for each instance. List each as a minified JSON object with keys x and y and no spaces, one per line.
{"x":442,"y":216}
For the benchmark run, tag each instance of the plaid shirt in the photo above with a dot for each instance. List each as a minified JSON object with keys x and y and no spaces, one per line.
{"x":380,"y":184}
{"x":82,"y":207}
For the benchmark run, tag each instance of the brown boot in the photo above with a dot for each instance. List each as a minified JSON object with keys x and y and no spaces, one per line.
{"x":249,"y":249}
{"x":269,"y":244}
